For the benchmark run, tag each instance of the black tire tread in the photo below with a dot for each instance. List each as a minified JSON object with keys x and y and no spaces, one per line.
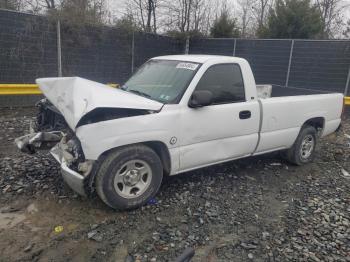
{"x":292,"y":154}
{"x":108,"y":160}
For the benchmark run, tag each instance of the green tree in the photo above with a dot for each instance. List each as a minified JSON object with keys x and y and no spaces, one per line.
{"x":127,"y":23}
{"x":77,"y":12}
{"x":293,"y":19}
{"x":183,"y":35}
{"x":224,"y":26}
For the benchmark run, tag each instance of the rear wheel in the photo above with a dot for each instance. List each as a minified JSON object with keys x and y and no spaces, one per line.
{"x":128,"y":177}
{"x":303,"y":150}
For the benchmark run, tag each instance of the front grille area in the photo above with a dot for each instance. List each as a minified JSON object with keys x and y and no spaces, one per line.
{"x":49,"y":118}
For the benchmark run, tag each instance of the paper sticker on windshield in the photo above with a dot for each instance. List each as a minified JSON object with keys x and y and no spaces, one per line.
{"x":189,"y":66}
{"x":164,"y":97}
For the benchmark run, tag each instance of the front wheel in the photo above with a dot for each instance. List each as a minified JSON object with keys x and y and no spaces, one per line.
{"x":128,"y":177}
{"x":303,"y":150}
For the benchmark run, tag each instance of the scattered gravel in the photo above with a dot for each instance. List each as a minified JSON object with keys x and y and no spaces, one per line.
{"x":254,"y":209}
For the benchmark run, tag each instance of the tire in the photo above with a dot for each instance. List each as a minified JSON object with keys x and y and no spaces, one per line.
{"x":303,"y":150}
{"x":129,"y":176}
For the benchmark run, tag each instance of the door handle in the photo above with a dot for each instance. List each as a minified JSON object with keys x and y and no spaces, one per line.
{"x":245,"y":114}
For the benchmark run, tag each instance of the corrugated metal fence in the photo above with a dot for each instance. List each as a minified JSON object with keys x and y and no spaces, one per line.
{"x":33,"y":46}
{"x":314,"y":64}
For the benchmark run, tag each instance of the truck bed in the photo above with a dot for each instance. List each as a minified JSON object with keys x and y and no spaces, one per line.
{"x":285,"y":111}
{"x":278,"y":91}
{"x":266,"y":91}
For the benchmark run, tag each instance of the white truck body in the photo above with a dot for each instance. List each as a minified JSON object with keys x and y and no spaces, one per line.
{"x":193,"y":137}
{"x":204,"y":136}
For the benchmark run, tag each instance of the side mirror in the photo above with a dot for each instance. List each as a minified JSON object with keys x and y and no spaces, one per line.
{"x":201,"y":98}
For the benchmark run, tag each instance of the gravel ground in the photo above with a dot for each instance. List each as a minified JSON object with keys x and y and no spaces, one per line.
{"x":254,"y":209}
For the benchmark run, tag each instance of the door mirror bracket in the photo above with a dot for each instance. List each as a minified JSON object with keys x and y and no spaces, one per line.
{"x":201,"y":98}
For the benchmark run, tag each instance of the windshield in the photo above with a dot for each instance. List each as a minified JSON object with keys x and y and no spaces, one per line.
{"x":162,"y":80}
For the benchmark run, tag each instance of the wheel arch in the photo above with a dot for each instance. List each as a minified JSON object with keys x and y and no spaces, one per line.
{"x":157,"y":146}
{"x":163,"y":152}
{"x":317,"y":122}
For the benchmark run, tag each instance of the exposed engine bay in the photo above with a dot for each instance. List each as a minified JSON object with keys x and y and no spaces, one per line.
{"x":49,"y":118}
{"x":48,"y":128}
{"x":49,"y":131}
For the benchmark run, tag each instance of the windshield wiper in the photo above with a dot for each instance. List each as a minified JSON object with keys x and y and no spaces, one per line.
{"x":139,"y":93}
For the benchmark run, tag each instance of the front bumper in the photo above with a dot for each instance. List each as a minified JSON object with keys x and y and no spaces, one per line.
{"x":38,"y":141}
{"x":75,"y":180}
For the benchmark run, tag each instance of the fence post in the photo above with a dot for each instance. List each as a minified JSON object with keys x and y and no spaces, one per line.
{"x":234,"y":47}
{"x":346,"y":91}
{"x":187,"y":46}
{"x":290,"y":62}
{"x":59,"y":49}
{"x":132,"y":52}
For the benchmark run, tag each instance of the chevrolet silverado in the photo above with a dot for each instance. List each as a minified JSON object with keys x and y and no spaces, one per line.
{"x":175,"y":114}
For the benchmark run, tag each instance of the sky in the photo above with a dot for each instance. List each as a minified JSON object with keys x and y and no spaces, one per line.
{"x":116,"y":6}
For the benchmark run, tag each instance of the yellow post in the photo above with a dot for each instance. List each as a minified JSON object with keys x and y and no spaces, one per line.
{"x":347,"y":100}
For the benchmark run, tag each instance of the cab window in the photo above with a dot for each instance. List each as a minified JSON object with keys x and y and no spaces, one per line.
{"x":225,"y":81}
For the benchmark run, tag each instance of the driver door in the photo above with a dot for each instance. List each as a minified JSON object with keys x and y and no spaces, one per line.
{"x":226,"y":129}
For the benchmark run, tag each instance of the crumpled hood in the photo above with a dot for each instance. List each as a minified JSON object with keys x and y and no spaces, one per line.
{"x":74,"y":97}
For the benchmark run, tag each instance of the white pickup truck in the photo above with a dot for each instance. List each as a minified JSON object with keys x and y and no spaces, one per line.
{"x":175,"y":114}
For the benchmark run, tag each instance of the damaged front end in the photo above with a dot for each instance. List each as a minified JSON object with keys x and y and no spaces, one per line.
{"x":70,"y":103}
{"x":46,"y":131}
{"x":50,"y":132}
{"x":38,"y":141}
{"x":75,"y":169}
